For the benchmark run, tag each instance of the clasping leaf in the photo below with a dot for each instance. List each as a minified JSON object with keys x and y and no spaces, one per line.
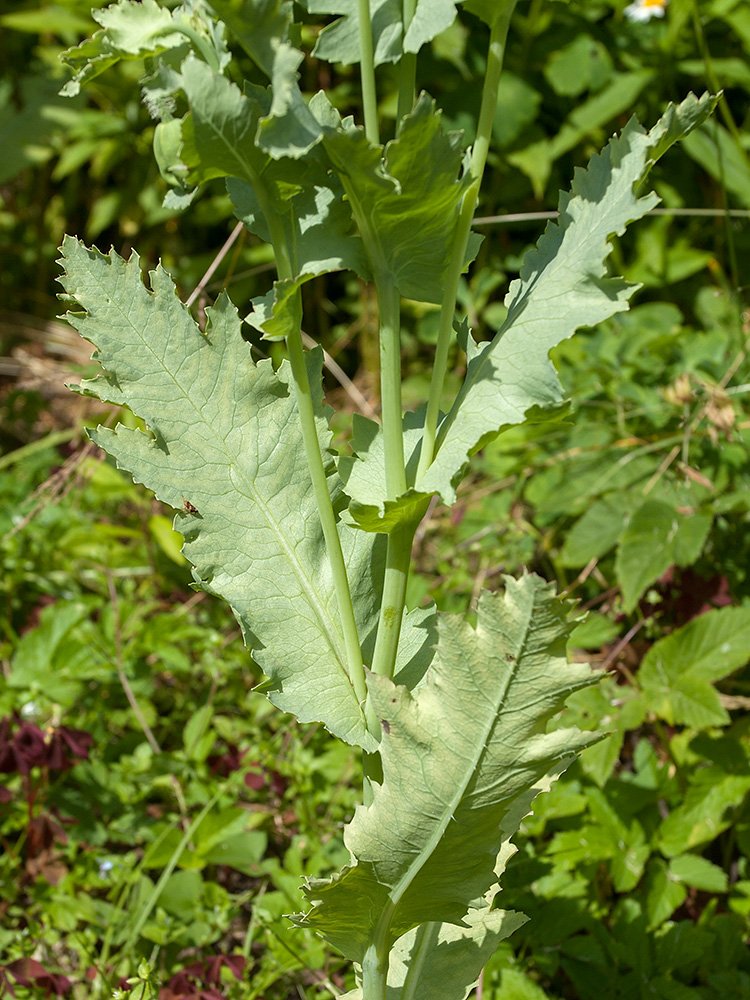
{"x":458,"y":754}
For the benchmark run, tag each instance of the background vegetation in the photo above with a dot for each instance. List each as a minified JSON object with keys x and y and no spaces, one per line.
{"x":153,"y":806}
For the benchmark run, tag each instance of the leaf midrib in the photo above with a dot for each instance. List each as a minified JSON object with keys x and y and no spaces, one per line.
{"x":448,"y":814}
{"x":547,"y":275}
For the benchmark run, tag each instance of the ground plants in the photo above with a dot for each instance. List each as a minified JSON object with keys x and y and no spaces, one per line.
{"x":312,"y":549}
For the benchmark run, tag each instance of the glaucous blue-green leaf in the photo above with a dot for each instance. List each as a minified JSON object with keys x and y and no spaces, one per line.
{"x":260,"y":26}
{"x":225,"y":447}
{"x":457,"y":755}
{"x":563,"y":286}
{"x":219,"y":139}
{"x":363,"y":476}
{"x":654,"y":538}
{"x":443,"y":961}
{"x":405,"y":198}
{"x":678,"y":673}
{"x":220,"y":136}
{"x":317,"y":224}
{"x":134,"y":30}
{"x":488,"y":10}
{"x":430,"y":18}
{"x":339,"y":41}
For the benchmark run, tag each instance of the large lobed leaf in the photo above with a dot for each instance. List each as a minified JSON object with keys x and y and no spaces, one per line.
{"x":458,"y":754}
{"x":562,"y":287}
{"x":339,"y":41}
{"x":225,"y":441}
{"x":678,"y":673}
{"x":405,"y":198}
{"x":136,"y":30}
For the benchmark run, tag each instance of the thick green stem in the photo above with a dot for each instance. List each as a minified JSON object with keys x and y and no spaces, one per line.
{"x":389,"y":302}
{"x":367,"y":70}
{"x":327,"y":517}
{"x":374,"y":974}
{"x":200,"y":43}
{"x":306,"y":410}
{"x":407,"y":84}
{"x":397,"y":562}
{"x":398,"y":554}
{"x":498,"y":37}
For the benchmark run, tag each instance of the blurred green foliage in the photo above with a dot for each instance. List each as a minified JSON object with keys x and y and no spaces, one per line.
{"x":184,"y":834}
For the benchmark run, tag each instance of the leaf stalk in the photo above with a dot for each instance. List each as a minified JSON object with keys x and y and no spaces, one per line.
{"x":285,"y":268}
{"x":367,"y":70}
{"x":407,"y":68}
{"x":397,"y":563}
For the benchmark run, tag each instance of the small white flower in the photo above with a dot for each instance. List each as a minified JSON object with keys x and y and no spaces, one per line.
{"x":644,"y":10}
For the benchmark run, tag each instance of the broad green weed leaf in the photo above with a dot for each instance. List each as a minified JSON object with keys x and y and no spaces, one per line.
{"x":663,"y":893}
{"x":595,"y":533}
{"x":405,"y":199}
{"x":708,"y":809}
{"x":516,"y":985}
{"x":562,"y":287}
{"x":678,"y":672}
{"x":457,"y":757}
{"x":36,"y":665}
{"x":225,"y":438}
{"x":713,"y":147}
{"x":617,"y":98}
{"x":698,"y":872}
{"x":655,"y":538}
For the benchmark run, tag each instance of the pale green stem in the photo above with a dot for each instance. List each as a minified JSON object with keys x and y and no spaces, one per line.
{"x":398,"y":554}
{"x":375,"y":967}
{"x":408,"y":68}
{"x":397,"y":562}
{"x":200,"y":43}
{"x":389,"y":302}
{"x":327,"y":517}
{"x":367,"y":70}
{"x":498,"y":37}
{"x":306,"y":411}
